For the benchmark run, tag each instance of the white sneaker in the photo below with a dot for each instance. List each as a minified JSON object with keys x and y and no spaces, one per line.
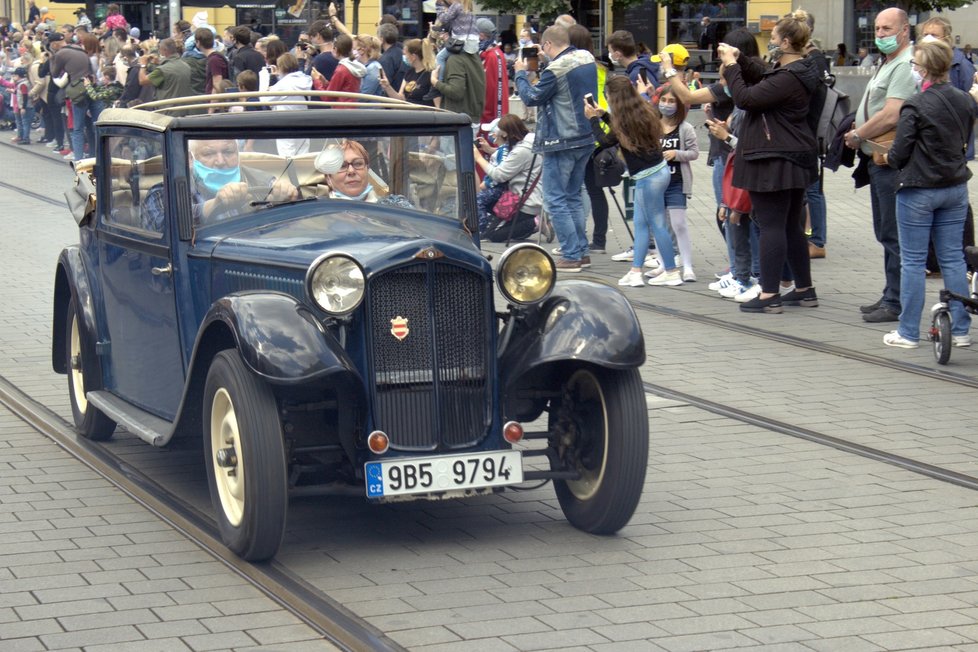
{"x":724,"y":281}
{"x":749,"y":293}
{"x":961,"y":340}
{"x":632,"y":280}
{"x":658,"y":271}
{"x":556,"y":251}
{"x":672,"y":278}
{"x":732,"y":290}
{"x":893,"y":338}
{"x":652,"y":261}
{"x":624,"y":257}
{"x":689,"y":276}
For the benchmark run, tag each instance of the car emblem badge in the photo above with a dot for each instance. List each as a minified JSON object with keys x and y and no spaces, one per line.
{"x":399,"y":327}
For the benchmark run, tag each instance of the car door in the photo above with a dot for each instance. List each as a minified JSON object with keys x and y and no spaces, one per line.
{"x":145,"y":360}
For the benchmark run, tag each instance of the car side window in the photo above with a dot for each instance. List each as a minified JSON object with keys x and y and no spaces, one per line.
{"x":136,"y":197}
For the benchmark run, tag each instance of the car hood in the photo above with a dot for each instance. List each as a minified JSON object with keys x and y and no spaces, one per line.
{"x":376,"y":236}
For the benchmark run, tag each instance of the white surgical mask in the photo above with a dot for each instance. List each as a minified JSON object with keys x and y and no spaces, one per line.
{"x":917,"y":77}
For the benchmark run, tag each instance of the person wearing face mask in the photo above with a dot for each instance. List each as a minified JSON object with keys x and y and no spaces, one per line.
{"x":679,"y":147}
{"x":775,"y":159}
{"x":418,"y":61}
{"x":623,"y":52}
{"x":928,"y":155}
{"x":877,"y":114}
{"x":221,"y":188}
{"x":497,"y":76}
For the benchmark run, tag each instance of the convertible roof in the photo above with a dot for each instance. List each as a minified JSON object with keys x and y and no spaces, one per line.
{"x":371,"y":112}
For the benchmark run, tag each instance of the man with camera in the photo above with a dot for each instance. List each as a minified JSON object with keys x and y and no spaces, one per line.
{"x":72,"y":60}
{"x":563,"y":137}
{"x":167,"y":72}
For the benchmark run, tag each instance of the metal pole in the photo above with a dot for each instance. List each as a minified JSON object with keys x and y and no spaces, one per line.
{"x":174,"y":10}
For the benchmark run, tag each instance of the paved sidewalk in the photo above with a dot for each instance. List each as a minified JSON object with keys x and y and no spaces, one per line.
{"x":744,"y":538}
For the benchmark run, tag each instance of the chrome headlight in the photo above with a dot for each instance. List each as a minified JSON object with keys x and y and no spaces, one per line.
{"x":335,"y":283}
{"x":526,"y":274}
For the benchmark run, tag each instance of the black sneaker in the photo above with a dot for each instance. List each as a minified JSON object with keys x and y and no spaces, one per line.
{"x":595,"y":248}
{"x":881,"y":315}
{"x":771,"y":305}
{"x":873,"y":307}
{"x":806,"y":299}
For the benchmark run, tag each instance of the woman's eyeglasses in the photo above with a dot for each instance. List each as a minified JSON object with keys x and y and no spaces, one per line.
{"x":357,"y":164}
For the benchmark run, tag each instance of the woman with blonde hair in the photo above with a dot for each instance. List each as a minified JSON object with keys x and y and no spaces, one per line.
{"x":775,"y":159}
{"x":419,"y":61}
{"x":366,"y":50}
{"x":636,"y":128}
{"x":928,"y":151}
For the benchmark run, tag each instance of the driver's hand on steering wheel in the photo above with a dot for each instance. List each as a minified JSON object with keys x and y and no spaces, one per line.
{"x":233,"y":194}
{"x":282,"y":190}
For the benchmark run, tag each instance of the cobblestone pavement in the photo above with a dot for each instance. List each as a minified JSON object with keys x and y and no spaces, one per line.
{"x":744,"y":539}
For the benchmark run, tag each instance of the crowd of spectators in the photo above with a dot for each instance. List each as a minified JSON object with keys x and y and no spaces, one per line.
{"x":576,"y":107}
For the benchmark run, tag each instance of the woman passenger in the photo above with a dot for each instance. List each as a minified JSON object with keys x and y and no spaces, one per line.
{"x":932,"y":197}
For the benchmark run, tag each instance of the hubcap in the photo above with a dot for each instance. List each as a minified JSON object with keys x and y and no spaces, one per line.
{"x":585,"y":409}
{"x":226,"y":457}
{"x":75,"y":368}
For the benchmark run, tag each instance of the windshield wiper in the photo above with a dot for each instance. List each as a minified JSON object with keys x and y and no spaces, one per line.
{"x":287,"y":202}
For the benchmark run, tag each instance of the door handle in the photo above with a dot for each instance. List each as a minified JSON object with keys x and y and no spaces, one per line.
{"x":163,"y":271}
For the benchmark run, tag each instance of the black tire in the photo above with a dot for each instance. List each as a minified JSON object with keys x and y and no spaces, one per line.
{"x":249,"y":491}
{"x":941,"y":335}
{"x":90,"y":422}
{"x":599,"y":426}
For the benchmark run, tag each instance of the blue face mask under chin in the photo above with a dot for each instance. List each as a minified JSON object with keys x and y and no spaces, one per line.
{"x":361,"y":196}
{"x":213,"y":179}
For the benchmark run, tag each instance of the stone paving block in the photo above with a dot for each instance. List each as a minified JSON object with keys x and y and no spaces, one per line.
{"x":699,"y":642}
{"x":486,"y":629}
{"x":916,"y":639}
{"x":465,"y":646}
{"x":557,"y":639}
{"x":222,"y":641}
{"x":168,"y":644}
{"x":245,"y":622}
{"x":63,"y":609}
{"x":107,"y":619}
{"x":23,"y":645}
{"x":850,"y":627}
{"x":92,"y":637}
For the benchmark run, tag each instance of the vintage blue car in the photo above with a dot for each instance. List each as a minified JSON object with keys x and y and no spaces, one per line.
{"x":305,"y":291}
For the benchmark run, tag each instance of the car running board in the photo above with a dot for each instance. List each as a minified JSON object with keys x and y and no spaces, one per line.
{"x":146,"y":426}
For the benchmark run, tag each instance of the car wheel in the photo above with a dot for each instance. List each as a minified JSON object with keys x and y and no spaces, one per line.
{"x":599,"y":428}
{"x":90,"y":422}
{"x":941,"y":335}
{"x":245,"y":458}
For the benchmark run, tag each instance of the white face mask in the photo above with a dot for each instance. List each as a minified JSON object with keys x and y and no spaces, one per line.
{"x":917,"y":77}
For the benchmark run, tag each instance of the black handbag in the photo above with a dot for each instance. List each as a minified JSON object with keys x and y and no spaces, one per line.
{"x":608,"y":167}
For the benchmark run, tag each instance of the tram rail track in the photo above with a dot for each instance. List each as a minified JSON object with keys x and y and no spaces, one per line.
{"x":328,"y":618}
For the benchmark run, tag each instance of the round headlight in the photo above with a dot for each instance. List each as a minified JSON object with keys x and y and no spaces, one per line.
{"x":336,"y":284}
{"x":526,"y":274}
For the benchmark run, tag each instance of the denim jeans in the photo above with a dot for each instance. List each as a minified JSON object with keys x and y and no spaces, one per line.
{"x":719,"y":163}
{"x":80,"y":120}
{"x":599,"y":206}
{"x":563,"y":178}
{"x":739,"y":242}
{"x":816,"y":212}
{"x":26,"y":118}
{"x":882,"y":186}
{"x":925,"y":214}
{"x":650,"y":214}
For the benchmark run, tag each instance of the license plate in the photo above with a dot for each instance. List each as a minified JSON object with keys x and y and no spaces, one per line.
{"x":419,"y":475}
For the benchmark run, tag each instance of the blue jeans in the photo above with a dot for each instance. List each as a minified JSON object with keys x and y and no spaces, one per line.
{"x":816,"y":212}
{"x":882,"y":187}
{"x":925,"y":214}
{"x":719,"y":163}
{"x":650,"y":214}
{"x":563,"y":176}
{"x":80,"y":119}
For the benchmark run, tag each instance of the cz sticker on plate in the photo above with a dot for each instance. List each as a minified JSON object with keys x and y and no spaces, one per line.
{"x":417,"y":475}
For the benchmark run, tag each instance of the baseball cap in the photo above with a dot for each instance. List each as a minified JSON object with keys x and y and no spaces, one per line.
{"x":491,"y":126}
{"x":21,"y":71}
{"x":679,"y":54}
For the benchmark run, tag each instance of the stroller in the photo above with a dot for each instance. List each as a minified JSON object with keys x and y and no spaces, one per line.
{"x":940,"y":329}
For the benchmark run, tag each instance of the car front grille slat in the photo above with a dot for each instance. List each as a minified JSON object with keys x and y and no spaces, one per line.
{"x":430,"y":388}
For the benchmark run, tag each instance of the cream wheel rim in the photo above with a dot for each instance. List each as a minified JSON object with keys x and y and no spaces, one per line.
{"x":76,"y":368}
{"x":230,"y":479}
{"x":588,"y":388}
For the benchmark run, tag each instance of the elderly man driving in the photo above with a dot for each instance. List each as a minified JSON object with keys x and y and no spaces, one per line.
{"x":223,"y":188}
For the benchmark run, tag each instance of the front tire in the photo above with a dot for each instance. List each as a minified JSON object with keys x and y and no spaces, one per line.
{"x":599,"y":427}
{"x":90,"y":422}
{"x":941,"y":335}
{"x":245,"y":458}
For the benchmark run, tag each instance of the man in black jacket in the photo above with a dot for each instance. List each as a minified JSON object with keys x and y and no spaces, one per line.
{"x":391,"y":59}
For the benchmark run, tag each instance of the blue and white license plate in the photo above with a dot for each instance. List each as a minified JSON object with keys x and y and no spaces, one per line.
{"x":418,"y":475}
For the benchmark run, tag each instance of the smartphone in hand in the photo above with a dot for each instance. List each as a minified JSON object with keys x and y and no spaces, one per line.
{"x":644,"y":74}
{"x":590,"y":100}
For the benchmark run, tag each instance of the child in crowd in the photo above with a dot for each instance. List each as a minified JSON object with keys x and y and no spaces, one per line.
{"x":108,"y":91}
{"x":489,"y":190}
{"x":679,"y":147}
{"x":22,"y":105}
{"x":458,"y":21}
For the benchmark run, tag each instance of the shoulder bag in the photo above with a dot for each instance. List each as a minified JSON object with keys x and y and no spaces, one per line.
{"x":510,"y":203}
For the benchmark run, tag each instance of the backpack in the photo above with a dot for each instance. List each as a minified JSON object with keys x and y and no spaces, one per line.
{"x":828,"y":110}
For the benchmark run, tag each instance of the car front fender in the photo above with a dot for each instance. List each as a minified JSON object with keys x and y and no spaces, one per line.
{"x":581,"y":322}
{"x":279,"y":338}
{"x":71,"y":278}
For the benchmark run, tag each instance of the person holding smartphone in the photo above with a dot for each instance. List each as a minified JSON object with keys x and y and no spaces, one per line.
{"x":419,"y":61}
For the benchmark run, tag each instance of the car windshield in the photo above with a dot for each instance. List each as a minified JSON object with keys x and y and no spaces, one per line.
{"x":236,"y":177}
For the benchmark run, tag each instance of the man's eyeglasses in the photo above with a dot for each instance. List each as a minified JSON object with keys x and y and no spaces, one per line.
{"x":357,"y":164}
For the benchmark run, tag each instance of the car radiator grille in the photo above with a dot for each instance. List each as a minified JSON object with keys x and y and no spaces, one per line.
{"x":430,"y":389}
